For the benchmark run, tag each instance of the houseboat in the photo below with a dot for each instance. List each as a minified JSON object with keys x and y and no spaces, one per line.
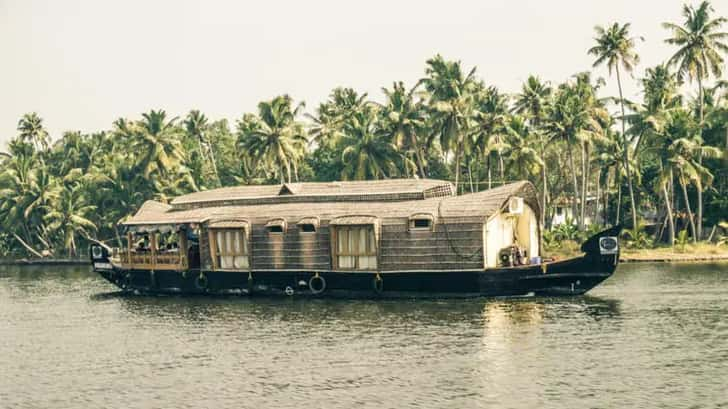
{"x":391,"y":238}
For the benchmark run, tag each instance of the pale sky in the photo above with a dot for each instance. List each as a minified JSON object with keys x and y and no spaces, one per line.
{"x":83,"y":63}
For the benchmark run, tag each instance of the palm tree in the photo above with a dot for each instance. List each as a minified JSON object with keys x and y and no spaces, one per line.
{"x":647,"y":124}
{"x":490,"y":117}
{"x":369,"y":153}
{"x":699,"y":54}
{"x":69,"y":215}
{"x":404,"y":119}
{"x":327,"y":124}
{"x":32,"y":131}
{"x":451,"y":94}
{"x":576,"y":116}
{"x":196,"y":125}
{"x":615,"y":47}
{"x":532,"y":102}
{"x":275,"y":136}
{"x":158,"y":142}
{"x":523,"y":157}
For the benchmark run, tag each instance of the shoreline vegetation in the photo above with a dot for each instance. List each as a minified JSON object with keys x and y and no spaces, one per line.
{"x":691,"y":253}
{"x":658,"y":165}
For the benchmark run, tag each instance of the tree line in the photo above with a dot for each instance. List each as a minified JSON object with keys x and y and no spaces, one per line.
{"x":665,"y":154}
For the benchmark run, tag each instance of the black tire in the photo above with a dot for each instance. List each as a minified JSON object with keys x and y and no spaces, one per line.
{"x":201,"y":282}
{"x":317,"y":284}
{"x":378,"y":284}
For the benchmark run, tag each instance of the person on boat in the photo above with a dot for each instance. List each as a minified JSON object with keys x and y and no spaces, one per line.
{"x":143,"y":245}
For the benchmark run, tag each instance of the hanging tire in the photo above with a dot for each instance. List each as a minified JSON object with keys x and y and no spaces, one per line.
{"x":378,"y":284}
{"x":317,"y":284}
{"x":201,"y":282}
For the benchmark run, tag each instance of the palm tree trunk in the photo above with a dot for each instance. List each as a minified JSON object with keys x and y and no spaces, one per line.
{"x":687,"y":208}
{"x":598,"y":197}
{"x":27,"y":246}
{"x":490,"y":176}
{"x":470,"y":177}
{"x":544,"y":194}
{"x":214,"y":163}
{"x":418,"y":155}
{"x":584,"y":182}
{"x":574,"y":182}
{"x":626,"y":154}
{"x":501,"y":168}
{"x":618,"y":185}
{"x":670,"y":221}
{"x":699,"y":186}
{"x":605,"y":211}
{"x":458,"y":152}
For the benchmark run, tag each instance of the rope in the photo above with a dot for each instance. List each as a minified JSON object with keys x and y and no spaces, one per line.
{"x":477,"y":253}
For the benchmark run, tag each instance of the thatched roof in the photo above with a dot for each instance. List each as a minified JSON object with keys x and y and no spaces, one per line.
{"x":371,"y":190}
{"x":471,"y":207}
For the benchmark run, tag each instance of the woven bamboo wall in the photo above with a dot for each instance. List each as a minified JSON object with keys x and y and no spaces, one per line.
{"x":455,"y":246}
{"x":292,"y":250}
{"x":451,"y":246}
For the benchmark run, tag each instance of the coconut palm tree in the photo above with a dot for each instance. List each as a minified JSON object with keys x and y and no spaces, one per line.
{"x":532,"y":103}
{"x":157,"y":140}
{"x":490,"y":117}
{"x":524,"y":158}
{"x":196,"y":125}
{"x":369,"y":153}
{"x":32,"y":131}
{"x":403,"y":118}
{"x":451,"y":93}
{"x":275,"y":136}
{"x":615,"y":47}
{"x":699,"y":54}
{"x":576,"y":116}
{"x":69,"y":216}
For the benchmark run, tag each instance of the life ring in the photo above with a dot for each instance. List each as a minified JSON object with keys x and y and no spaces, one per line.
{"x":378,"y":284}
{"x":289,"y":291}
{"x":317,"y":284}
{"x":201,"y":282}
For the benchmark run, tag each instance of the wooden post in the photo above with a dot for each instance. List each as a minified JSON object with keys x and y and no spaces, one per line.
{"x":213,"y":247}
{"x":182,"y":243}
{"x":154,"y":249}
{"x":129,"y":239}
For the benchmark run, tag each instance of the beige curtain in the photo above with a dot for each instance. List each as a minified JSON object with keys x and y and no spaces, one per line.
{"x":356,"y":248}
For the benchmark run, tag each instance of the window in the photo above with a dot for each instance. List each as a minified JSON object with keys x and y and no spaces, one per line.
{"x":559,"y":211}
{"x":308,"y":228}
{"x":231,"y":248}
{"x":275,"y":229}
{"x":356,"y":248}
{"x":420,"y":224}
{"x":276,"y":226}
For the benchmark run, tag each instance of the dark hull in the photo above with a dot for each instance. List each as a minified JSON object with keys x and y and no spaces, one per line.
{"x":568,"y":277}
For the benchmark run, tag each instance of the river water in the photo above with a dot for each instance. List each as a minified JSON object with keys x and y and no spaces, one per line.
{"x":654,"y":335}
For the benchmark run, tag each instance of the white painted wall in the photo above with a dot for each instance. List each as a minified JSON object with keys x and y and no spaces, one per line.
{"x":499,"y":233}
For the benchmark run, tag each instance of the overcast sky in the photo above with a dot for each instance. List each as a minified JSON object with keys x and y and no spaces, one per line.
{"x":81,"y":64}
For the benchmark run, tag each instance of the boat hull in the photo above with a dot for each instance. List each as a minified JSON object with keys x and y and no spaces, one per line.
{"x":568,"y":277}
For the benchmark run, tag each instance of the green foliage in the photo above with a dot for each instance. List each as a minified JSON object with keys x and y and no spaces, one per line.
{"x":449,"y":124}
{"x":637,"y":238}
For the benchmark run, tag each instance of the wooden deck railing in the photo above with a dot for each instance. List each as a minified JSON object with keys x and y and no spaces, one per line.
{"x":152,"y":261}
